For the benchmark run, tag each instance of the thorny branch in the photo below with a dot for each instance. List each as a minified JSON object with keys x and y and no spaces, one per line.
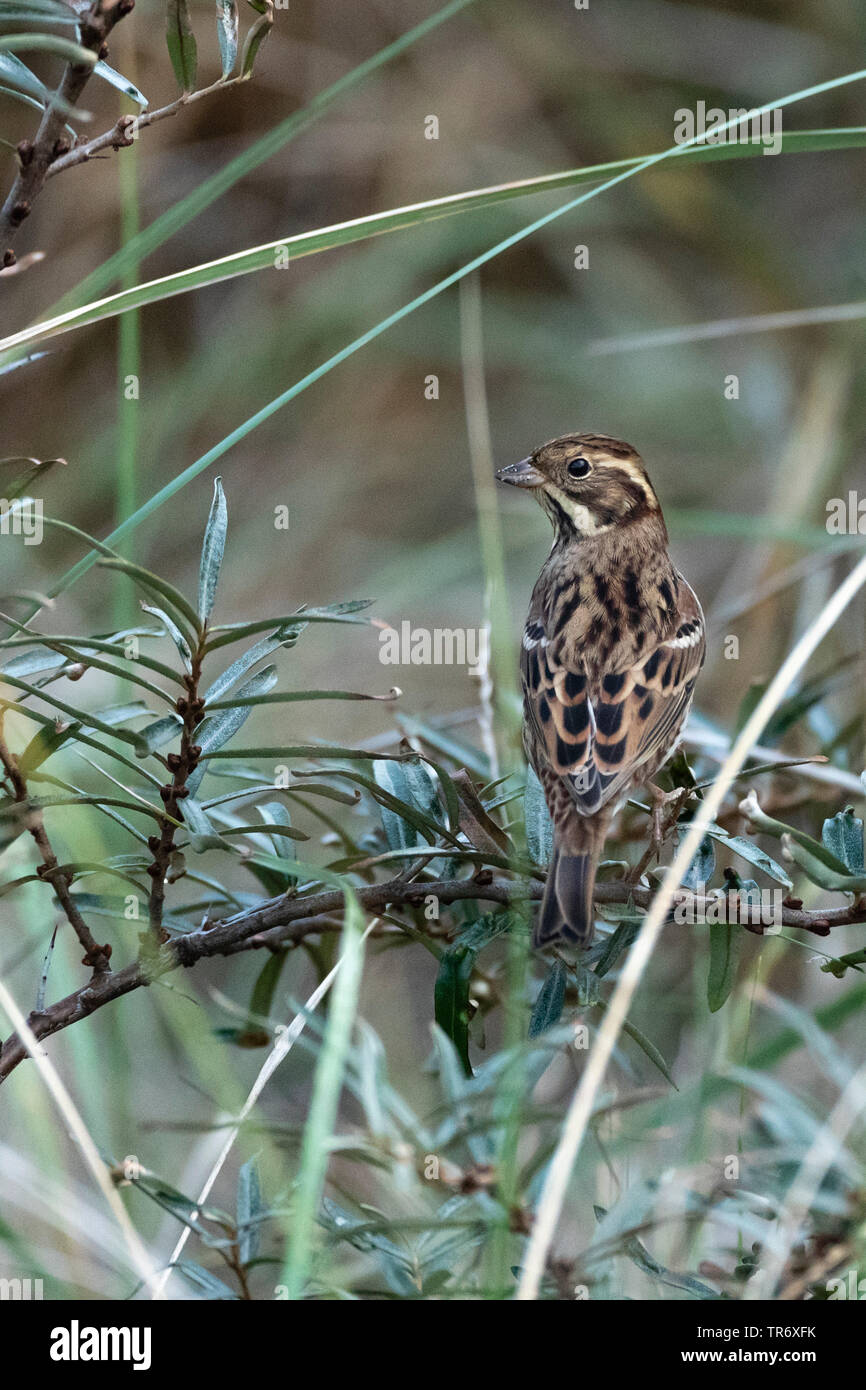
{"x":190,"y":707}
{"x":49,"y":153}
{"x":282,"y":921}
{"x":36,"y":156}
{"x":50,"y":870}
{"x":125,"y":130}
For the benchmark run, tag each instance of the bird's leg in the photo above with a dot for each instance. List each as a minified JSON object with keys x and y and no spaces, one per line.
{"x":662,"y":823}
{"x":659,"y":800}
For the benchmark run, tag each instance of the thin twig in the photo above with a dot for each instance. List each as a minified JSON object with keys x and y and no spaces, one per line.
{"x":51,"y":871}
{"x":282,"y":921}
{"x":36,"y":156}
{"x":126,"y":128}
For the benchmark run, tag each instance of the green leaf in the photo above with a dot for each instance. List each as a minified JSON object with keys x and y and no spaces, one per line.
{"x":49,"y":11}
{"x":279,"y":832}
{"x":640,"y":1256}
{"x":43,"y":744}
{"x":843,"y":837}
{"x":630,"y":1029}
{"x":451,"y":999}
{"x":400,"y":832}
{"x":547,"y":1010}
{"x":154,"y":584}
{"x":819,"y":871}
{"x":327,"y":1084}
{"x":745,"y":849}
{"x":289,"y":697}
{"x":257,"y":34}
{"x":650,"y":1049}
{"x":750,"y":807}
{"x":539,"y":826}
{"x":276,"y":814}
{"x":222,"y":634}
{"x":619,"y":941}
{"x":49,"y":43}
{"x":359,"y":229}
{"x":249,"y":1209}
{"x":227,"y":34}
{"x":700,"y":871}
{"x":88,"y":721}
{"x":123,"y":84}
{"x":262,"y":997}
{"x":212,"y":551}
{"x":25,"y":471}
{"x":205,"y":1282}
{"x":725,"y":941}
{"x":181,"y":43}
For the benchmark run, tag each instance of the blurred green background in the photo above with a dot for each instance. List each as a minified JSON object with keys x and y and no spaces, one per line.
{"x":377,"y":477}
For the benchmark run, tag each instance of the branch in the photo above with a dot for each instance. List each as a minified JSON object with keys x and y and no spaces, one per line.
{"x":50,"y":870}
{"x":125,"y":129}
{"x":36,"y":157}
{"x":281,"y":921}
{"x":190,"y":708}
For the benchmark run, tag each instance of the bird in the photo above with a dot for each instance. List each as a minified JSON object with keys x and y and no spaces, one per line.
{"x":610,"y":653}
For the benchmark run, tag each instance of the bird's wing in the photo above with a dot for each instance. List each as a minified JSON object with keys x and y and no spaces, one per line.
{"x":596,"y":731}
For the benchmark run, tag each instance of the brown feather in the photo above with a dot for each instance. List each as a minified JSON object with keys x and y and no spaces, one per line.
{"x":611,"y":651}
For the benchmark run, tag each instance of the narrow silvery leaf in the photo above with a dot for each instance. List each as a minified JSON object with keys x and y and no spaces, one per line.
{"x":725,"y":942}
{"x":54,"y":11}
{"x":43,"y":978}
{"x":451,"y":999}
{"x":13,"y":70}
{"x":842,"y":835}
{"x":173,"y":632}
{"x":122,"y":83}
{"x":40,"y":660}
{"x":162,"y":731}
{"x":275,"y":813}
{"x":399,"y":832}
{"x":257,"y":34}
{"x":202,"y":833}
{"x":223,"y":725}
{"x":212,"y":551}
{"x":181,"y":43}
{"x":548,"y":1006}
{"x":118,"y":714}
{"x":249,"y":1209}
{"x":243,"y":664}
{"x":539,"y":826}
{"x":227,"y":33}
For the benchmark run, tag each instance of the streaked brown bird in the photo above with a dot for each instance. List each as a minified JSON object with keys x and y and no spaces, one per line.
{"x":611,"y":651}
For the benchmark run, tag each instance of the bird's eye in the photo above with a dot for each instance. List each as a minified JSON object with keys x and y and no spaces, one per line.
{"x":578,"y":468}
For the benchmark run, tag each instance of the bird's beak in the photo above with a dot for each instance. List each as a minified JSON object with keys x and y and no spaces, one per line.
{"x":522,"y":474}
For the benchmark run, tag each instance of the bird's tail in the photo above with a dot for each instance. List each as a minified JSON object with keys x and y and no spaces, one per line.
{"x":566,"y":914}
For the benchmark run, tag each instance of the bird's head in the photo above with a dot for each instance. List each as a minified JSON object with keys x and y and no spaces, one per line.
{"x":587,"y":484}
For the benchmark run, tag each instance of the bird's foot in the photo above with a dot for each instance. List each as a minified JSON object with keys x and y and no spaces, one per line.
{"x":665,"y":812}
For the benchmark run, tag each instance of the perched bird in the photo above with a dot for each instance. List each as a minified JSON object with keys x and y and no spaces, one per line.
{"x":610,"y":654}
